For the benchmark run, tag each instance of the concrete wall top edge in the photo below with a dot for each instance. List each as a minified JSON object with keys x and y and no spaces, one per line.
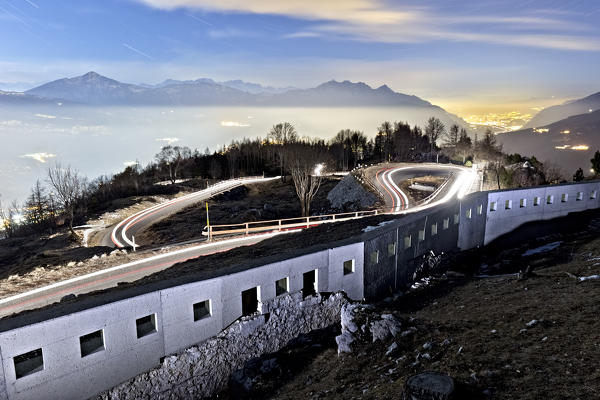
{"x":99,"y":298}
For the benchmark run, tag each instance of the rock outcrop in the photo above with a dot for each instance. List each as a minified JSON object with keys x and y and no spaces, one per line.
{"x":202,"y":370}
{"x":350,"y":195}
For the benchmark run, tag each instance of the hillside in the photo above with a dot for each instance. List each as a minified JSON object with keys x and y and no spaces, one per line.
{"x":556,"y":113}
{"x":90,"y":88}
{"x":562,"y":143}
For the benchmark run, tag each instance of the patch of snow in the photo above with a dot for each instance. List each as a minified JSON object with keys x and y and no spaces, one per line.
{"x":372,"y":228}
{"x":542,"y":249}
{"x":589,"y":278}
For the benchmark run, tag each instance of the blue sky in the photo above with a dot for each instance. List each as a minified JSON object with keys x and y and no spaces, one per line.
{"x":459,"y":54}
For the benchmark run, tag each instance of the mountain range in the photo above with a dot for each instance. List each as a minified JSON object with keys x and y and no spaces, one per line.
{"x":569,"y":143}
{"x":556,"y":113}
{"x":95,"y":89}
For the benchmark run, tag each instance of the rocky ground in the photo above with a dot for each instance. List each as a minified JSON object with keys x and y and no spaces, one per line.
{"x":499,"y":333}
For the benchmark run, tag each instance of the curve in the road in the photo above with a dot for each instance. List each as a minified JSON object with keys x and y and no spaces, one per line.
{"x":459,"y":181}
{"x":122,"y":235}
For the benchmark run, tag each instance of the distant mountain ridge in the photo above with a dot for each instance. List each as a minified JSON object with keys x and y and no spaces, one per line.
{"x":556,"y":113}
{"x":95,"y":89}
{"x":554,"y":142}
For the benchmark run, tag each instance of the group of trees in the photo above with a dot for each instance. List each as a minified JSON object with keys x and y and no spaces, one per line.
{"x":64,"y":192}
{"x":67,"y":197}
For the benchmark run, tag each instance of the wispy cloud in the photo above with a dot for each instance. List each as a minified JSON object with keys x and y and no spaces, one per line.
{"x":169,"y":140}
{"x":389,"y":22}
{"x":141,"y":53}
{"x":234,"y":124}
{"x":302,"y":35}
{"x":10,"y":122}
{"x":229,"y":33}
{"x":46,"y":116}
{"x":40,"y":157}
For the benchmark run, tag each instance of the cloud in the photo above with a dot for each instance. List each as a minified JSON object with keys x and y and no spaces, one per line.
{"x":387,"y":22}
{"x":233,"y":124}
{"x":41,"y":157}
{"x":45,"y":116}
{"x":301,"y":35}
{"x":169,"y":140}
{"x":96,"y":130}
{"x":10,"y":122}
{"x":229,"y":33}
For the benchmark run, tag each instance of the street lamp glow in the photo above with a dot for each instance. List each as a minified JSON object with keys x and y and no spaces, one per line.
{"x":318,"y":169}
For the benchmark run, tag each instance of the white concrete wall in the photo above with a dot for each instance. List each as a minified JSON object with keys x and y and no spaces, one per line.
{"x":180,"y":329}
{"x":67,"y":375}
{"x":505,"y":220}
{"x":352,"y":284}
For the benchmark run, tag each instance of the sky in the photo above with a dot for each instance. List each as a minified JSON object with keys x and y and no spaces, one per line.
{"x":467,"y":56}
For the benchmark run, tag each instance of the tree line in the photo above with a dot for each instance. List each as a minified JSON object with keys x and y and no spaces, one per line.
{"x":65,"y":197}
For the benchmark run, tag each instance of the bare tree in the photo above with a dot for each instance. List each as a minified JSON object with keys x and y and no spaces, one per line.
{"x":281,"y":135}
{"x":68,"y":186}
{"x":171,"y":157}
{"x":434,"y":130}
{"x":305,"y":163}
{"x":552,"y":172}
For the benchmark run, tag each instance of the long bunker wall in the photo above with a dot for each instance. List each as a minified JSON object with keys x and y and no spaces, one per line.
{"x":379,"y":261}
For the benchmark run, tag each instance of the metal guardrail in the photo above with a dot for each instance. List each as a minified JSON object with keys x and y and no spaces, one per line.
{"x":279,"y":225}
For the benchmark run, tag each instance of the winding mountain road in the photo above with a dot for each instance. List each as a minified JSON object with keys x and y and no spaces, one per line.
{"x":387,"y":178}
{"x":123,"y":234}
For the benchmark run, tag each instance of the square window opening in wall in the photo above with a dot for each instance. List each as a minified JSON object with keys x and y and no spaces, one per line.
{"x":309,"y":283}
{"x":201,"y":310}
{"x":537,"y":201}
{"x":421,"y":235}
{"x":523,"y":203}
{"x":508,"y":204}
{"x":407,"y":242}
{"x":592,"y":195}
{"x":374,"y":257}
{"x":391,"y":249}
{"x":282,"y":286}
{"x":146,"y":325}
{"x":564,"y":198}
{"x":480,"y":209}
{"x":250,"y":301}
{"x":469,"y":213}
{"x":456,"y":219}
{"x":579,"y":196}
{"x":493,"y":206}
{"x":28,"y":363}
{"x":91,"y":343}
{"x":434,"y":229}
{"x":549,"y":199}
{"x":348,"y":267}
{"x":446,"y":223}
